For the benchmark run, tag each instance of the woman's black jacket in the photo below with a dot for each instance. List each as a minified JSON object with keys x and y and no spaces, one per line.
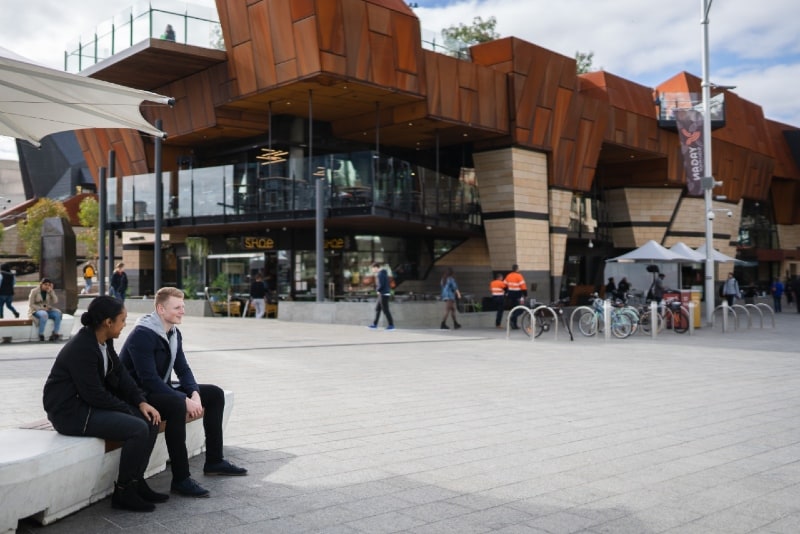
{"x":76,"y":384}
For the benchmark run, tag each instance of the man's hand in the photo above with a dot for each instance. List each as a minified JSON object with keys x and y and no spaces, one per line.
{"x":150,"y":413}
{"x":193,"y":405}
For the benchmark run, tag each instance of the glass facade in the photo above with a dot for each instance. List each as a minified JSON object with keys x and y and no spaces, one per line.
{"x":350,"y":180}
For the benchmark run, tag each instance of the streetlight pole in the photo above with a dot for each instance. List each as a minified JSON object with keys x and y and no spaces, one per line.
{"x":708,"y":178}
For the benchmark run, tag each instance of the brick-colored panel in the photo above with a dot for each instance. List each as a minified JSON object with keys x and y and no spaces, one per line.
{"x":331,"y":28}
{"x":380,"y":20}
{"x":264,"y":55}
{"x":407,"y":42}
{"x":302,"y":9}
{"x":382,"y":59}
{"x":245,"y":74}
{"x":281,"y":31}
{"x":357,"y":40}
{"x":305,"y":35}
{"x":233,"y":17}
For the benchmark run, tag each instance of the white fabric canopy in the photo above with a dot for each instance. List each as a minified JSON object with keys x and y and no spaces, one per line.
{"x":36,"y":101}
{"x":718,"y":256}
{"x":651,"y":252}
{"x":684,"y":250}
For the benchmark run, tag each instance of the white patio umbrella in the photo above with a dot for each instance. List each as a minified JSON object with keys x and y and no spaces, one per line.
{"x":684,"y":250}
{"x":36,"y":101}
{"x":651,"y":252}
{"x":718,"y":256}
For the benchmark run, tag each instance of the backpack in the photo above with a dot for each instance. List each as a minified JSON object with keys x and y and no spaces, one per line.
{"x":88,"y":271}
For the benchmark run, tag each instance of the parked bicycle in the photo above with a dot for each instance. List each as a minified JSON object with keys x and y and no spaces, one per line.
{"x":592,"y":322}
{"x":544,"y":320}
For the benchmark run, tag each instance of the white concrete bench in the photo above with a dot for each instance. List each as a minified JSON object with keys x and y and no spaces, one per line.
{"x":46,"y":475}
{"x":27,"y":329}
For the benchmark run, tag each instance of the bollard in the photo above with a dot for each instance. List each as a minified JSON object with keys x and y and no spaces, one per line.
{"x":654,"y":319}
{"x":691,"y":318}
{"x":724,"y":316}
{"x":607,"y":319}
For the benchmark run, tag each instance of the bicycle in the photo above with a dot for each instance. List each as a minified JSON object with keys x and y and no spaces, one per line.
{"x":675,"y":316}
{"x":544,"y":319}
{"x":590,"y":323}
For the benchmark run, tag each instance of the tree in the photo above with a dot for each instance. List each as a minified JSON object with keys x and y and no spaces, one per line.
{"x":583,"y":62}
{"x":30,"y":232}
{"x":480,"y":31}
{"x":89,"y":216}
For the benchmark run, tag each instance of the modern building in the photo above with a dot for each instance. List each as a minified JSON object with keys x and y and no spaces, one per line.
{"x":419,"y":159}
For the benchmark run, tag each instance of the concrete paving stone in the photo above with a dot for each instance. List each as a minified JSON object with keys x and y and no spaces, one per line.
{"x":436,"y":511}
{"x":564,"y":522}
{"x":324,"y":518}
{"x":520,"y":529}
{"x":273,"y":526}
{"x":731,"y":521}
{"x":212,"y":522}
{"x":425,"y":494}
{"x":380,"y":504}
{"x":786,"y":525}
{"x":385,"y":523}
{"x":452,"y":525}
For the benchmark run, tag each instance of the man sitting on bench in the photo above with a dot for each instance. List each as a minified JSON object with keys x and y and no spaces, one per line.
{"x":41,"y":307}
{"x":152,"y":351}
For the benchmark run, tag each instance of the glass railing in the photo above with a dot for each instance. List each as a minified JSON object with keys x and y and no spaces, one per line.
{"x":170,"y":20}
{"x":350,"y":181}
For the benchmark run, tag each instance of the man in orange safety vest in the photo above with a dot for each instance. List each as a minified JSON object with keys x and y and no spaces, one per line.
{"x":517,"y":291}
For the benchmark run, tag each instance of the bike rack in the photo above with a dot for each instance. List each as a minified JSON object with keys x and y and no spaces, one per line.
{"x":769,"y":308}
{"x":749,"y":319}
{"x":533,"y":316}
{"x":725,"y":310}
{"x":508,"y":321}
{"x":756,"y":308}
{"x":576,"y":310}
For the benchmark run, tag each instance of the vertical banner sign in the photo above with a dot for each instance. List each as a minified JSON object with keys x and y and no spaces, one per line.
{"x":690,"y":132}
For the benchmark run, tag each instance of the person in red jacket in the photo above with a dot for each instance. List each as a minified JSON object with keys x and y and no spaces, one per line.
{"x":517,"y":291}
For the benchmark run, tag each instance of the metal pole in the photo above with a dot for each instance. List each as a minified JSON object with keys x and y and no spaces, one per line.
{"x":320,"y":214}
{"x":708,"y":181}
{"x":101,"y":229}
{"x":159,"y":215}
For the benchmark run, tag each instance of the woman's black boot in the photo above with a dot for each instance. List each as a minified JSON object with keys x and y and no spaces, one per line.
{"x":444,"y":326}
{"x":126,"y":497}
{"x":147,"y":493}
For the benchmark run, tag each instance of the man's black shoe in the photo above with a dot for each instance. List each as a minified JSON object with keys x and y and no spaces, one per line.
{"x":125,"y":497}
{"x":146,"y":493}
{"x":188,"y":488}
{"x":514,"y":327}
{"x":224,"y":468}
{"x":41,"y":337}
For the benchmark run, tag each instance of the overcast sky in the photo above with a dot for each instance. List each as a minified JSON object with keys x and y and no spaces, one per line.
{"x":753,"y":45}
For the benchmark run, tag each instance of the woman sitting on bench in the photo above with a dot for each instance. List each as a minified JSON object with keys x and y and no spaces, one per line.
{"x":89,"y":393}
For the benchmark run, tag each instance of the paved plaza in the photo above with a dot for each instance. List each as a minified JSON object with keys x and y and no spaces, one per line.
{"x":347,"y":430}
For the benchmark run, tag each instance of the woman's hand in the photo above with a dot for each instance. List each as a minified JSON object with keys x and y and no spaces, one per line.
{"x":150,"y":413}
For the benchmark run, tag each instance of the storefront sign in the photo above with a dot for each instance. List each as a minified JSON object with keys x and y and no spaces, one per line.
{"x":258,"y":243}
{"x":337,"y":243}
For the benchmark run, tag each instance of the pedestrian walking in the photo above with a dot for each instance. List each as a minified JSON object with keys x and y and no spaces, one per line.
{"x":7,"y":281}
{"x":730,"y":290}
{"x":118,"y":285}
{"x":777,"y":294}
{"x":450,"y":294}
{"x":384,"y":291}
